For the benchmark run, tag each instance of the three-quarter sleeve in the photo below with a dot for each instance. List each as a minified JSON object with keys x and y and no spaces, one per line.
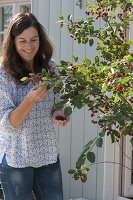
{"x":7,"y":96}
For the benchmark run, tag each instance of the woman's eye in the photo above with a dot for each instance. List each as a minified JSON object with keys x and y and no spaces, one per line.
{"x":22,"y":41}
{"x":34,"y":40}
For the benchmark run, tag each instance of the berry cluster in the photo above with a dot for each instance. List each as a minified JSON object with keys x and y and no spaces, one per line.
{"x":47,"y":78}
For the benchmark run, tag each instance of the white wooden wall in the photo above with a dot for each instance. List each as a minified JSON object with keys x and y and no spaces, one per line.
{"x":103,"y":179}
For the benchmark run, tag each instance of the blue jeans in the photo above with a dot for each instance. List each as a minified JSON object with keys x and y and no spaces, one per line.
{"x":19,"y":183}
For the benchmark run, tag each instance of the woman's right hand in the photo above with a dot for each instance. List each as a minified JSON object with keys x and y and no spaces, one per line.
{"x":38,"y":94}
{"x":17,"y":116}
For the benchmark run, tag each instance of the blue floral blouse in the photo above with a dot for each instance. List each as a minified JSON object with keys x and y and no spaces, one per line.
{"x":34,"y":142}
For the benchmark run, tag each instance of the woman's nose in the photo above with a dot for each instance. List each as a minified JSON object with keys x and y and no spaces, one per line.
{"x":28,"y":44}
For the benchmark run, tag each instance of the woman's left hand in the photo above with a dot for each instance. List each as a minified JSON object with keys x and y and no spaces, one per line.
{"x":59,"y":118}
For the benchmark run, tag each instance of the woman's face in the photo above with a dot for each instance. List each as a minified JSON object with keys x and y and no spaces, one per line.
{"x":27,"y":45}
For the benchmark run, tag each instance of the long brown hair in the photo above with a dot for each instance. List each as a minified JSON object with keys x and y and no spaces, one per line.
{"x":10,"y":59}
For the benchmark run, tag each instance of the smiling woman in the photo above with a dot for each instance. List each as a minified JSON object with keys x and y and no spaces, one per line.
{"x":29,"y":150}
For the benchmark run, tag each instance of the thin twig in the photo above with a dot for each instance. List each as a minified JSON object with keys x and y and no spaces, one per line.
{"x":124,"y":153}
{"x":109,"y":162}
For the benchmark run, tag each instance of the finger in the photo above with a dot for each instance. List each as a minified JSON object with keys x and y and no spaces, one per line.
{"x":41,"y":89}
{"x":62,"y":123}
{"x":44,"y":95}
{"x":35,"y":94}
{"x":58,"y":122}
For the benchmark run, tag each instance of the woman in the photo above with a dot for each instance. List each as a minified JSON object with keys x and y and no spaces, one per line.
{"x":29,"y":150}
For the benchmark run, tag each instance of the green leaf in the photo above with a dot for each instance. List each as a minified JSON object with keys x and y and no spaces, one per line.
{"x":128,"y":58}
{"x":112,"y":138}
{"x":86,"y":149}
{"x":79,"y":40}
{"x":129,"y":4}
{"x":80,"y":161}
{"x":99,"y":142}
{"x":24,"y":78}
{"x":91,"y":42}
{"x":61,"y":18}
{"x":68,"y":111}
{"x":75,"y":57}
{"x":102,"y":133}
{"x":104,"y":63}
{"x":96,"y":59}
{"x":78,"y":103}
{"x":127,"y":130}
{"x":60,"y":105}
{"x":31,"y":74}
{"x":105,"y":18}
{"x":76,"y":176}
{"x":86,"y":61}
{"x":63,"y":62}
{"x":87,"y":146}
{"x":45,"y":78}
{"x":91,"y":157}
{"x":71,"y":171}
{"x":104,"y":87}
{"x":90,"y":142}
{"x":84,"y":40}
{"x":69,"y":17}
{"x":115,"y":133}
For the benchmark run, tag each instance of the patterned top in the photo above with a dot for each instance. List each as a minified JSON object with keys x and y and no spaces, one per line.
{"x":34,"y":142}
